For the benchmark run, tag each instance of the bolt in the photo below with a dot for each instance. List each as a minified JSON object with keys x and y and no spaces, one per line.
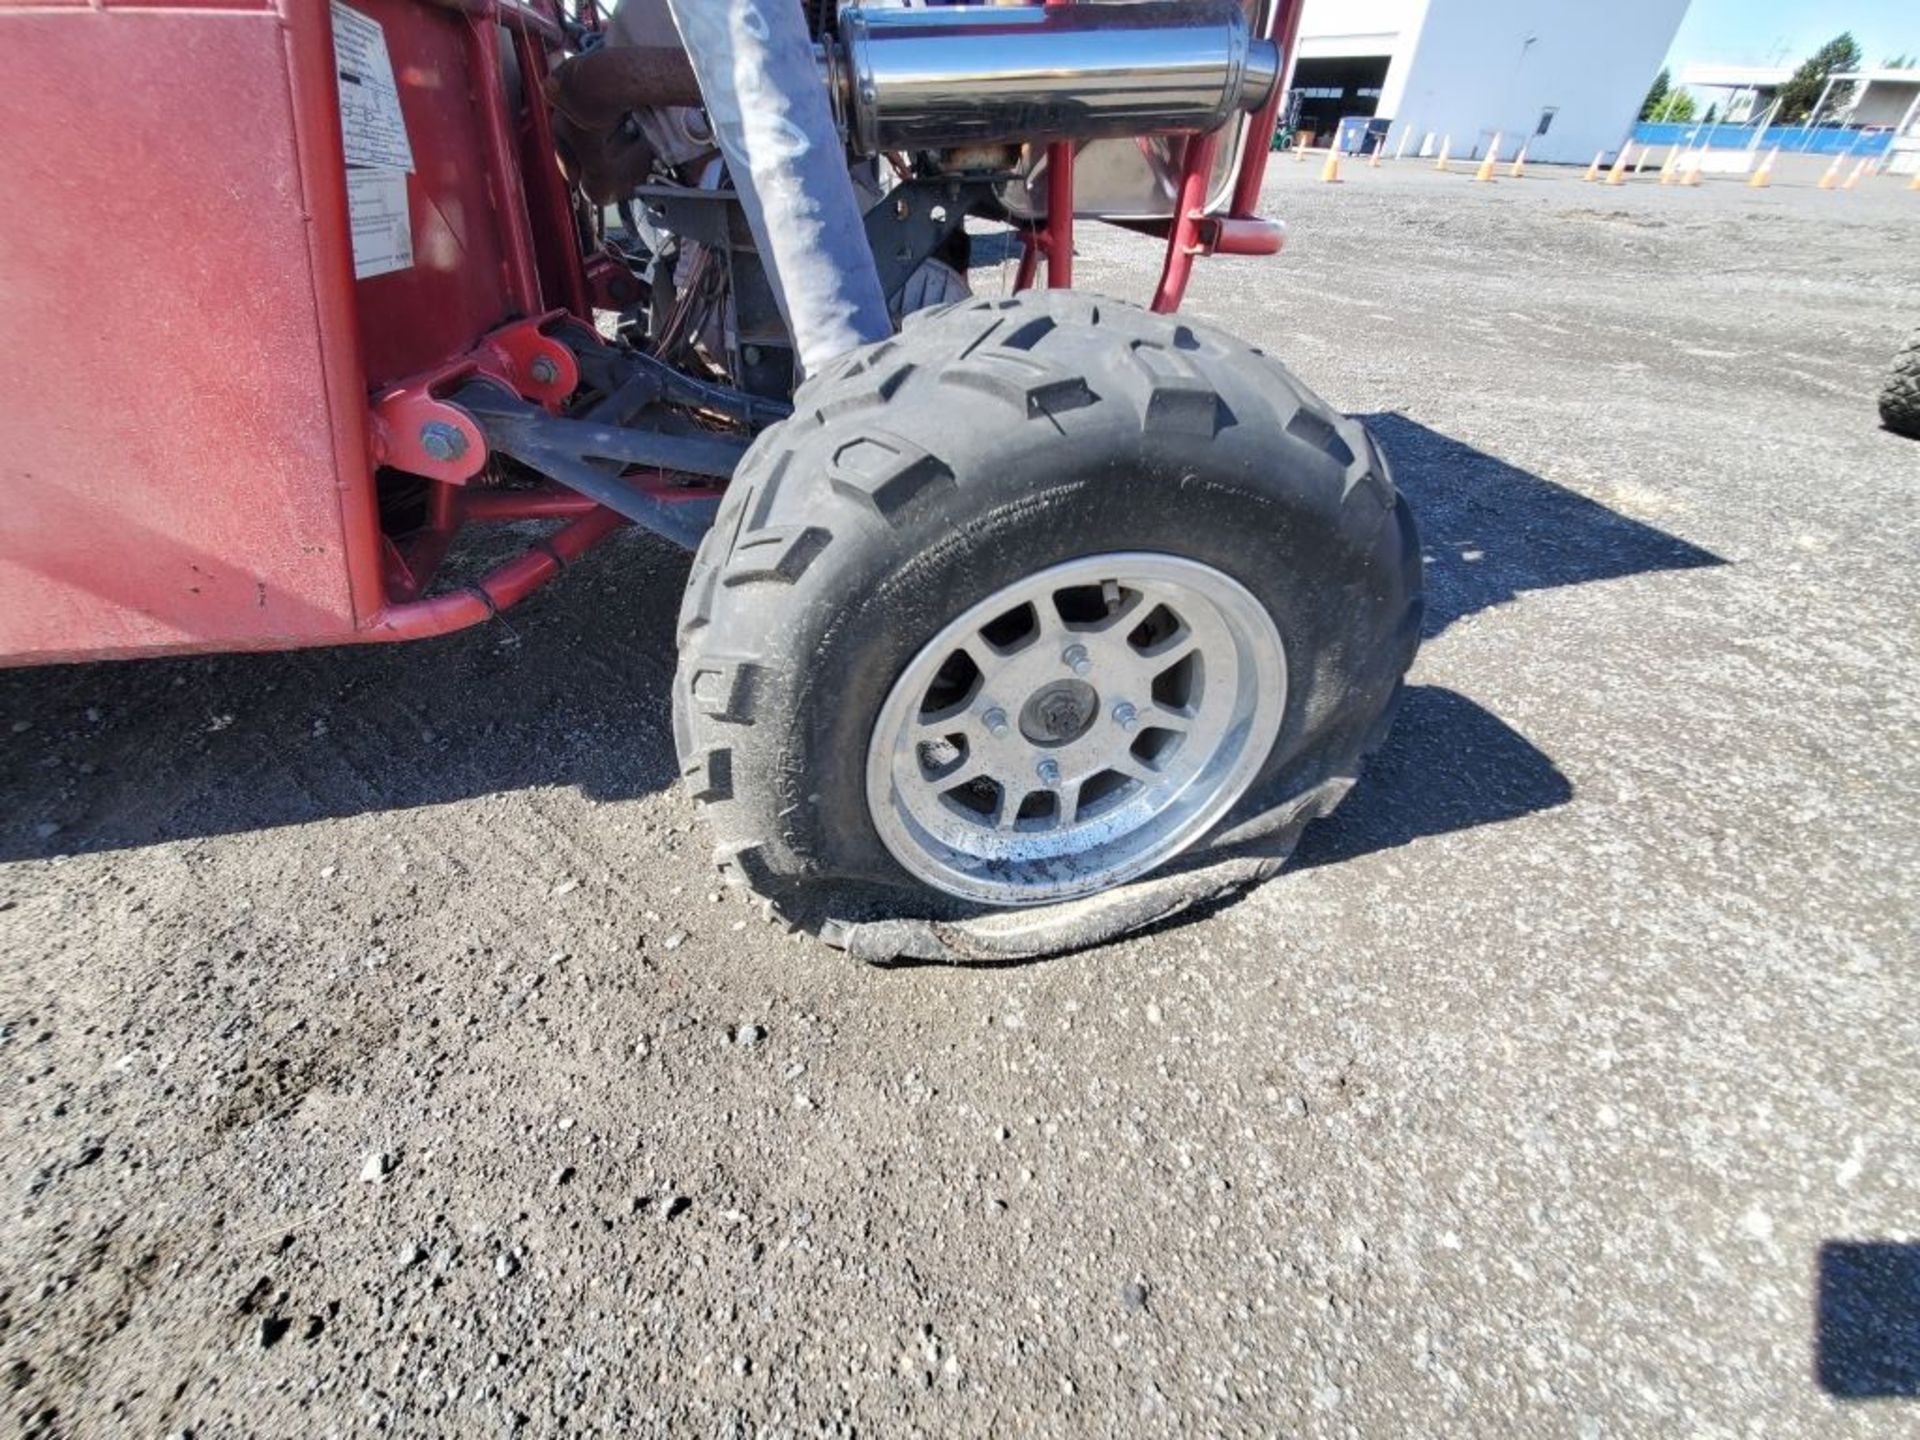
{"x":443,"y":441}
{"x":1048,"y":771}
{"x":1125,"y":716}
{"x":995,"y":720}
{"x":1076,"y":659}
{"x":543,"y":370}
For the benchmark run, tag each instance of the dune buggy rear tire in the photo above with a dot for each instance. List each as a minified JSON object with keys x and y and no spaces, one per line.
{"x":1900,"y":400}
{"x":990,"y":443}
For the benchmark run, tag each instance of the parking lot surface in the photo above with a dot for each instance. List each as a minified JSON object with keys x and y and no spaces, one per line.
{"x":378,"y":1049}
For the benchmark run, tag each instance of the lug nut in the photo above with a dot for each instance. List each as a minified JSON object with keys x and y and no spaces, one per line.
{"x":1048,"y":771}
{"x":443,"y":441}
{"x":1125,"y":716}
{"x":544,"y":371}
{"x":995,"y":720}
{"x":1076,"y":659}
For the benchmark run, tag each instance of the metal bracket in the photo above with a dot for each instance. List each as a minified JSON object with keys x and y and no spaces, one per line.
{"x":537,"y":365}
{"x":916,"y":218}
{"x":415,"y":432}
{"x":712,"y":217}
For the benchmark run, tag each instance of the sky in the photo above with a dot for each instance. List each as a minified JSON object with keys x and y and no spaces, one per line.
{"x":1783,"y":32}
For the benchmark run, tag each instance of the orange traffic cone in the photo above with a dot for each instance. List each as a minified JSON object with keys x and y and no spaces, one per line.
{"x":1373,"y":158}
{"x":1593,"y":170}
{"x":1692,"y":175}
{"x":1832,"y":177}
{"x":1641,"y":164}
{"x":1853,"y":180}
{"x":1446,"y":150}
{"x":1670,"y":171}
{"x":1484,"y":175}
{"x":1519,"y":170}
{"x":1763,"y":177}
{"x":1618,"y":175}
{"x":1916,"y":183}
{"x":1330,"y":172}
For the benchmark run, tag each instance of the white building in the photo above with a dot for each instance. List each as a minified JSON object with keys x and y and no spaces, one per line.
{"x":1564,"y":76}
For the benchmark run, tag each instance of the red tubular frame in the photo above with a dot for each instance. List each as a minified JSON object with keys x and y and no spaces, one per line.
{"x":508,"y":585}
{"x":1190,"y":212}
{"x":1055,"y":238}
{"x":1192,"y":231}
{"x":1285,"y":31}
{"x":503,"y":165}
{"x":548,"y":189}
{"x":1059,"y":241}
{"x":517,"y":15}
{"x":1241,"y":231}
{"x":483,"y":506}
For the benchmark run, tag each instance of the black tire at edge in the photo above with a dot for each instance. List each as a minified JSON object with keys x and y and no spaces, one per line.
{"x":1900,"y":400}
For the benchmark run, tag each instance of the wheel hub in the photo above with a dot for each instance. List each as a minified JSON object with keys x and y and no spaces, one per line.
{"x":1059,"y":712}
{"x":1144,"y":690}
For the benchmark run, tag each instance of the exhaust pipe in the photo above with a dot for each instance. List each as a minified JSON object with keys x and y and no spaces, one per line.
{"x":988,"y":74}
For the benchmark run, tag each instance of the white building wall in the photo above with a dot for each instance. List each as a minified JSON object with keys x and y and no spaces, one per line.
{"x":1468,"y":68}
{"x":1358,"y":27}
{"x":1331,"y":29}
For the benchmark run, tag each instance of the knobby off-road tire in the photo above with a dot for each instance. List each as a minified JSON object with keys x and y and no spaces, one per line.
{"x":1900,"y":401}
{"x":991,"y":441}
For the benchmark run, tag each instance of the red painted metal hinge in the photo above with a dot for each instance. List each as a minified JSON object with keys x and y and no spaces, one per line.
{"x":414,"y":430}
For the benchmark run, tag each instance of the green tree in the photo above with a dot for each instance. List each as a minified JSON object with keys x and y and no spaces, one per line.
{"x":1657,"y":96}
{"x":1800,"y":94}
{"x":1680,"y":107}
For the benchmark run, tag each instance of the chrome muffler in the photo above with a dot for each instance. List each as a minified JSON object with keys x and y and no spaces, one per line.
{"x":955,"y":76}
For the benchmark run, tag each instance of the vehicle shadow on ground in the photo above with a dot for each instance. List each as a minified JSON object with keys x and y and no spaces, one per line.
{"x":1492,"y":531}
{"x":1450,"y":764}
{"x":1489,"y":532}
{"x":572,"y":689}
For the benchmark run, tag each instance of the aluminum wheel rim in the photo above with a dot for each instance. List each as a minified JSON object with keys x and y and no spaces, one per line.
{"x":1076,"y":728}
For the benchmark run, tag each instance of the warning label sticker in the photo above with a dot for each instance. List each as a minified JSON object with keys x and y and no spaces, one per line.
{"x":379,"y":155}
{"x":382,"y":227}
{"x":370,"y":118}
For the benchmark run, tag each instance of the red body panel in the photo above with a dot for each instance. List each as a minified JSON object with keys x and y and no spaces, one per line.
{"x":185,"y":459}
{"x":167,"y":460}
